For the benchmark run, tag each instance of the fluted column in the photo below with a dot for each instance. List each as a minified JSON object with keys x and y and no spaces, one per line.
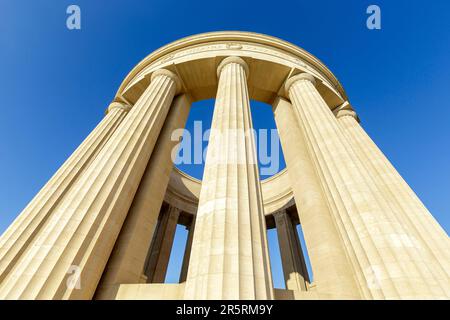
{"x":127,"y":260}
{"x":331,"y":268}
{"x":292,"y":259}
{"x":386,"y":266}
{"x":17,"y":238}
{"x":430,"y":237}
{"x":229,"y":258}
{"x":159,"y":254}
{"x":187,"y":251}
{"x":81,"y":232}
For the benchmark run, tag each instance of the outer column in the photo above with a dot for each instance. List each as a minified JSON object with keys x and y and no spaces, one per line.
{"x":82,"y":230}
{"x":386,"y":266}
{"x":16,"y":239}
{"x":294,"y":267}
{"x":431,"y":238}
{"x":127,"y":260}
{"x":229,"y":258}
{"x":331,"y":268}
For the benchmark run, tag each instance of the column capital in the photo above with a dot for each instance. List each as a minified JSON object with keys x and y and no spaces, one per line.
{"x":233,"y":59}
{"x":170,"y":74}
{"x":172,"y":210}
{"x":302,"y":76}
{"x":118,"y":105}
{"x":279,"y":213}
{"x":345,"y":110}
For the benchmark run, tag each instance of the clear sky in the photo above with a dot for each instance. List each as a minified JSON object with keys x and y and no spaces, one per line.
{"x":55,"y":83}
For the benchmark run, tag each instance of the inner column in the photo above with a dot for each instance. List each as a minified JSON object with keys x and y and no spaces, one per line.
{"x":161,"y":247}
{"x":292,"y":259}
{"x":229,"y":258}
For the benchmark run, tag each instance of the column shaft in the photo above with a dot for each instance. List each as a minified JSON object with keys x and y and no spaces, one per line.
{"x":429,"y":236}
{"x":386,"y":267}
{"x":294,"y":267}
{"x":229,"y":258}
{"x":16,"y":239}
{"x":330,"y":264}
{"x":82,"y":230}
{"x":127,"y":260}
{"x":298,"y":248}
{"x":159,"y":254}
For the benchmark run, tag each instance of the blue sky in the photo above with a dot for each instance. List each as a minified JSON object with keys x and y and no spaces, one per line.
{"x":55,"y":83}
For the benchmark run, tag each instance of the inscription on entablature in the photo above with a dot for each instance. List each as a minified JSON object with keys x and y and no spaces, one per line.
{"x":231,"y":46}
{"x":242,"y":46}
{"x":234,"y":46}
